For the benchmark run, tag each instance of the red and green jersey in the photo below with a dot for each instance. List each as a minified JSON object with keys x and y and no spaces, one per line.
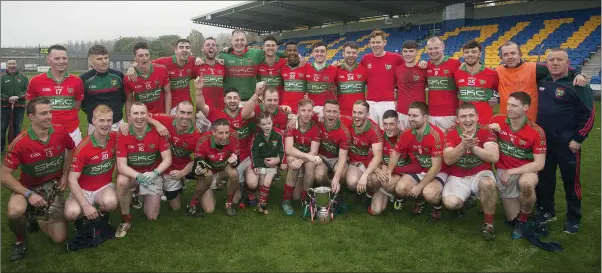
{"x":182,"y":143}
{"x":469,"y":164}
{"x":95,"y":162}
{"x":380,"y":73}
{"x":321,"y":83}
{"x":518,"y":147}
{"x":477,"y":89}
{"x":143,"y":153}
{"x":423,"y":148}
{"x":40,"y":161}
{"x":63,"y":95}
{"x":242,"y":126}
{"x":279,"y":117}
{"x":360,"y":148}
{"x":272,"y":74}
{"x":334,"y":139}
{"x":302,"y":139}
{"x":405,"y":163}
{"x":149,"y":90}
{"x":442,"y":99}
{"x":295,"y":86}
{"x":216,"y":155}
{"x":351,"y":85}
{"x":179,"y":77}
{"x":241,"y":70}
{"x":213,"y":90}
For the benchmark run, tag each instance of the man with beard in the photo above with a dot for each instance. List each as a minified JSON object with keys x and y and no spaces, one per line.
{"x":142,"y":156}
{"x":213,"y":74}
{"x":218,"y":149}
{"x":380,"y":72}
{"x":320,"y":78}
{"x":269,"y":71}
{"x":517,"y":75}
{"x":92,"y":172}
{"x":152,"y":85}
{"x":233,"y":114}
{"x":443,"y":98}
{"x":382,"y":181}
{"x":293,"y":75}
{"x":351,"y":79}
{"x":182,"y":138}
{"x":476,"y":83}
{"x":334,"y":146}
{"x":365,"y":149}
{"x":522,"y":154}
{"x":411,"y":82}
{"x":425,"y":143}
{"x":64,"y":90}
{"x":266,"y":100}
{"x":301,"y":147}
{"x":102,"y":85}
{"x":469,"y":152}
{"x":43,"y":152}
{"x":13,"y":85}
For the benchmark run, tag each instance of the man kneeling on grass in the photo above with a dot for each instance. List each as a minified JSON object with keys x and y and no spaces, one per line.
{"x":215,"y":158}
{"x":470,"y":150}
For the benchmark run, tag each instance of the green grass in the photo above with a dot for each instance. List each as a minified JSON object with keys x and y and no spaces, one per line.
{"x":353,"y":242}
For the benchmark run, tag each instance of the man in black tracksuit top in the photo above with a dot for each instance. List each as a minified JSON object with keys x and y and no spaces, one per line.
{"x":102,"y":85}
{"x":566,"y":114}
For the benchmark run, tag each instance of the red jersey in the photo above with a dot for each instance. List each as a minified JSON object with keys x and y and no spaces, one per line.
{"x":63,"y":96}
{"x":216,"y":155}
{"x":335,"y":138}
{"x":149,"y":90}
{"x":242,"y":127}
{"x":40,"y":161}
{"x":303,"y":139}
{"x":143,"y":154}
{"x":380,"y":73}
{"x":518,"y":147}
{"x":422,"y":150}
{"x":469,"y":164}
{"x":179,"y":77}
{"x":443,"y":98}
{"x":477,"y":89}
{"x":213,"y":90}
{"x":295,"y":86}
{"x":411,"y":85}
{"x":279,"y":117}
{"x":272,"y":74}
{"x":360,"y":148}
{"x":351,"y":86}
{"x":405,"y":163}
{"x":95,"y":162}
{"x":321,"y":83}
{"x":182,"y":143}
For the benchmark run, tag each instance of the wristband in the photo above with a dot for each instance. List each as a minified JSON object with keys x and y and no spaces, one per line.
{"x":28,"y":194}
{"x":156,"y":172}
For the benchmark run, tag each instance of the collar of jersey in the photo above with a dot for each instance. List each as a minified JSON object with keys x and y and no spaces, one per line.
{"x":319,"y":69}
{"x":521,"y":126}
{"x":49,"y":75}
{"x":148,"y":128}
{"x":344,"y":66}
{"x":276,"y":60}
{"x":445,"y":58}
{"x":459,"y":130}
{"x":150,"y":71}
{"x":262,"y":107}
{"x":427,"y":130}
{"x":96,"y":144}
{"x":311,"y":122}
{"x":463,"y":68}
{"x":366,"y":127}
{"x":174,"y":58}
{"x":336,"y":126}
{"x":241,"y":54}
{"x":33,"y":136}
{"x":389,"y":139}
{"x":189,"y":131}
{"x":214,"y":145}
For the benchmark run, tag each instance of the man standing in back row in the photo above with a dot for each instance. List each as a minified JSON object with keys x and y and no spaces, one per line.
{"x":13,"y":86}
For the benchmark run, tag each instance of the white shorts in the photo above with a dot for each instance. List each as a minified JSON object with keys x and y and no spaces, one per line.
{"x":359,"y":165}
{"x":154,"y":187}
{"x":91,"y":195}
{"x":202,"y":123}
{"x":331,"y":163}
{"x":404,"y":121}
{"x":170,"y":183}
{"x":242,"y":166}
{"x":268,"y":170}
{"x":510,"y":190}
{"x":76,"y":135}
{"x":378,"y":108}
{"x":462,"y":187}
{"x":115,"y":127}
{"x":441,"y":177}
{"x":444,"y":123}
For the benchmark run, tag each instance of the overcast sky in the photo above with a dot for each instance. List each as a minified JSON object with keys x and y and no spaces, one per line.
{"x":26,"y":23}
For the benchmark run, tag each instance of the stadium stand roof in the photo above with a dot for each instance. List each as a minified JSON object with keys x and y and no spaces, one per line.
{"x":267,"y":16}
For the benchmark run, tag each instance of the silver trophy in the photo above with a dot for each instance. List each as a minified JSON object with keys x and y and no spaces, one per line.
{"x":321,"y":204}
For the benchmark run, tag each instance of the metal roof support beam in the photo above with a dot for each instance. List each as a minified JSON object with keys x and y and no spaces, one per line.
{"x":329,"y":14}
{"x":371,"y":5}
{"x":264,"y":18}
{"x":283,"y":18}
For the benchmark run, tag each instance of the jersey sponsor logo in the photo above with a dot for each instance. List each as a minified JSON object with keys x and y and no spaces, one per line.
{"x":359,"y":148}
{"x":424,"y":160}
{"x":62,"y":103}
{"x":180,"y":151}
{"x":179,"y":83}
{"x":469,"y":161}
{"x":330,"y":147}
{"x":440,"y":83}
{"x":513,"y":151}
{"x":302,"y":148}
{"x":347,"y":88}
{"x":317,"y":88}
{"x":272,"y":80}
{"x":141,"y":159}
{"x":242,"y":71}
{"x":213,"y":81}
{"x":559,"y":92}
{"x":98,"y":169}
{"x":474,"y":94}
{"x":400,"y":163}
{"x":45,"y":167}
{"x":149,"y":95}
{"x":294,"y":86}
